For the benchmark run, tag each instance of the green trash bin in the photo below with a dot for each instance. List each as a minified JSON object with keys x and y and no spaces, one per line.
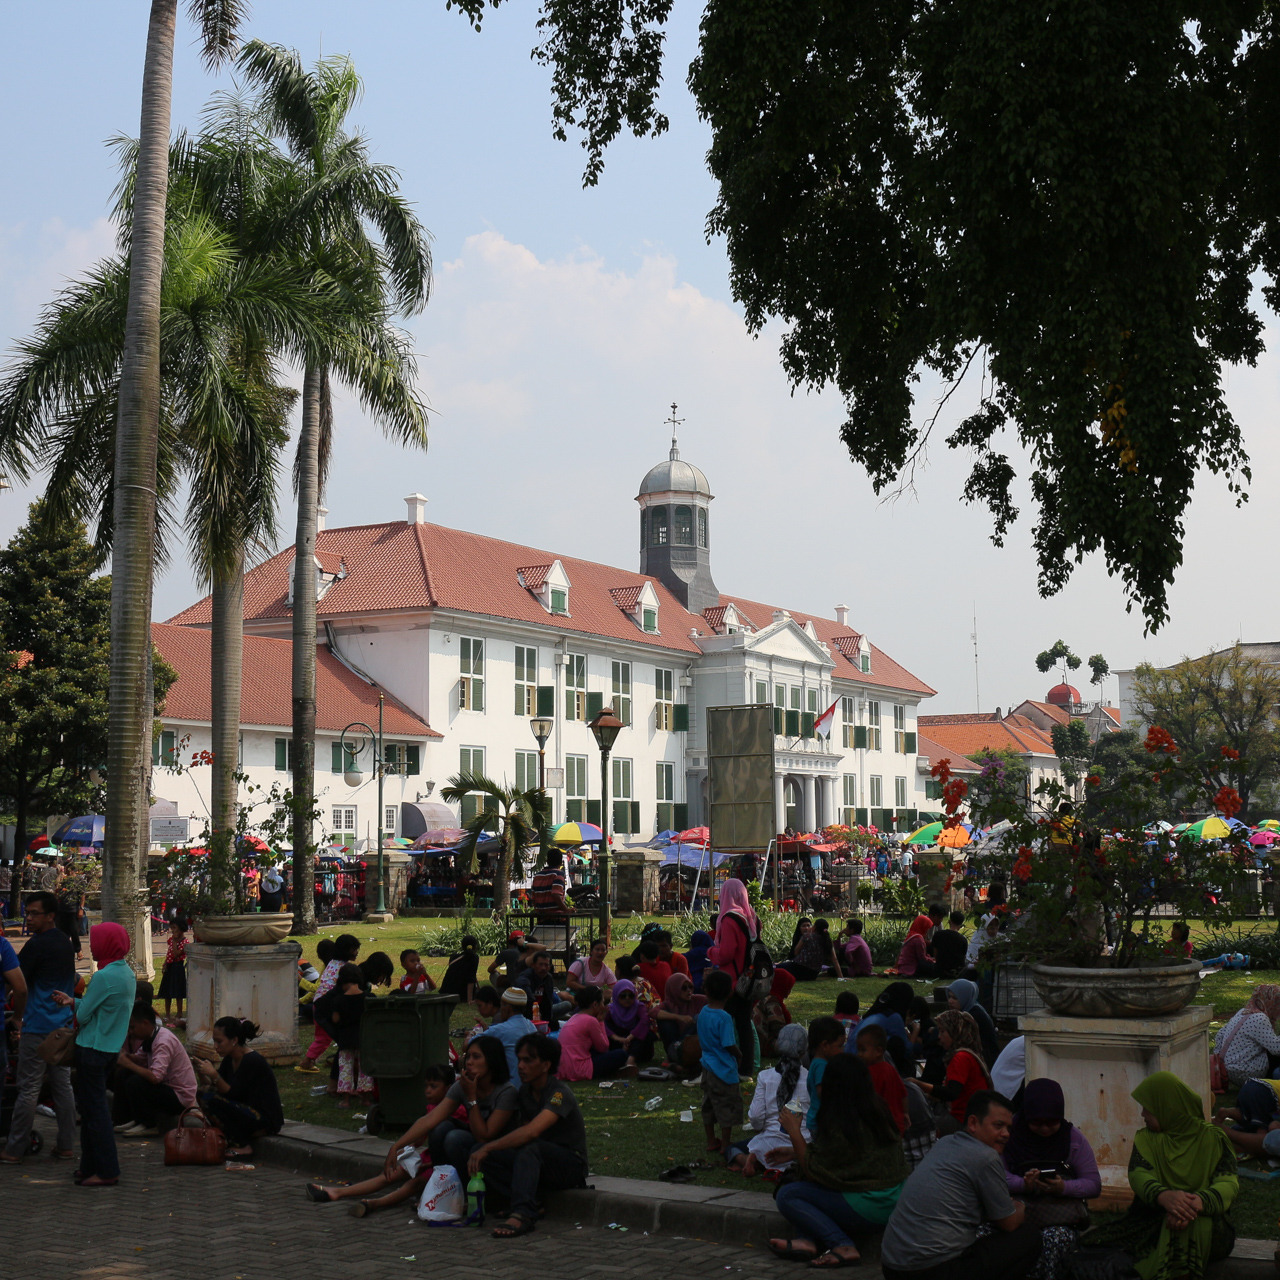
{"x":400,"y":1037}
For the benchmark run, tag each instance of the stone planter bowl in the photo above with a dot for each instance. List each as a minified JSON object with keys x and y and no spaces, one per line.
{"x":1116,"y":993}
{"x":251,"y":929}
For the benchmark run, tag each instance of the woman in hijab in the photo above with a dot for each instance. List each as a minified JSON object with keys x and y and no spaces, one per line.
{"x":102,"y":1018}
{"x":1183,"y":1173}
{"x":677,"y":1017}
{"x":963,"y":995}
{"x":1248,"y":1043}
{"x":771,"y":1014}
{"x":736,"y":928}
{"x":966,"y":1068}
{"x":775,"y":1087}
{"x":1048,"y":1161}
{"x":627,"y":1022}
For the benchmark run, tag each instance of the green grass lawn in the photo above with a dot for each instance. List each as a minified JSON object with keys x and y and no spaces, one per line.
{"x":628,"y":1141}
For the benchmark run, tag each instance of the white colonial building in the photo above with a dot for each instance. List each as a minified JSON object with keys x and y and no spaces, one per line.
{"x":470,"y":637}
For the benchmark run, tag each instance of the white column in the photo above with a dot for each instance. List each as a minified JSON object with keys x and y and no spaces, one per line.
{"x":809,"y":820}
{"x":779,"y":803}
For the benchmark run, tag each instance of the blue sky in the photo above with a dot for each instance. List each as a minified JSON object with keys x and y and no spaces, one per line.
{"x":564,"y":323}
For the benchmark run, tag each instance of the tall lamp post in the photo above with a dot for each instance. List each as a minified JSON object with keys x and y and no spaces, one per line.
{"x":606,"y":727}
{"x":542,"y":727}
{"x":351,"y":752}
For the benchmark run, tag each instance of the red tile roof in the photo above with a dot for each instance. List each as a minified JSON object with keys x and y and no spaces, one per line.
{"x":265,"y":699}
{"x":400,"y":566}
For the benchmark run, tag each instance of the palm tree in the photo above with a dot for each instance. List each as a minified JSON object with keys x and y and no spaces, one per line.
{"x":524,"y":816}
{"x":137,"y":436}
{"x":339,"y":200}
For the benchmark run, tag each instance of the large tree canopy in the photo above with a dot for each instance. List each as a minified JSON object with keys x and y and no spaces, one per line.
{"x":1065,"y":201}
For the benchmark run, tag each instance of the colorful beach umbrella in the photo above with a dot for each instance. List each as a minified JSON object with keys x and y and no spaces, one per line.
{"x":577,"y":833}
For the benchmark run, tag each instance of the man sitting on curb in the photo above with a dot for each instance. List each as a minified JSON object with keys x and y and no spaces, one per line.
{"x":509,"y":1024}
{"x":547,"y":1151}
{"x":544,"y":1000}
{"x":957,"y":1189}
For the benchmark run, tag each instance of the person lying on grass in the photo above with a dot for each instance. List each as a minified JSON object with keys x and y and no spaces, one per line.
{"x":548,"y":1149}
{"x":412,"y":1166}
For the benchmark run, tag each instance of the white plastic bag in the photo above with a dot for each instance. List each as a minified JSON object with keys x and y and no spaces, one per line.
{"x":444,"y":1199}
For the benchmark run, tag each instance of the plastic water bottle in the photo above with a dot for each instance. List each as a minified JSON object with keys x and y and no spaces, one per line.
{"x":475,"y":1197}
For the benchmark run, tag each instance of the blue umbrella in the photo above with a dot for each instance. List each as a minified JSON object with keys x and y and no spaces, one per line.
{"x":90,"y":828}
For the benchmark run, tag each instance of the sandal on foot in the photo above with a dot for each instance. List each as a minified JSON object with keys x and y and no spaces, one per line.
{"x":508,"y":1232}
{"x":831,"y":1260}
{"x":318,"y":1193}
{"x":788,"y":1251}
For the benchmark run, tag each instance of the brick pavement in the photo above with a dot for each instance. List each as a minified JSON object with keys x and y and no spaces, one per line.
{"x":172,"y":1224}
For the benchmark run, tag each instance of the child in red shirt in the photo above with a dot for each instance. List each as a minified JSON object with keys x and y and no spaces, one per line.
{"x":872,"y":1046}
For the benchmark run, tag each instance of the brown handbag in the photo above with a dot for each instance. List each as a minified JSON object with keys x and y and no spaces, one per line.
{"x":194,"y":1141}
{"x":58,"y":1048}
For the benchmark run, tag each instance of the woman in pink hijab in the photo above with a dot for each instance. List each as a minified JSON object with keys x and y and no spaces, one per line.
{"x":102,"y":1021}
{"x":736,"y":928}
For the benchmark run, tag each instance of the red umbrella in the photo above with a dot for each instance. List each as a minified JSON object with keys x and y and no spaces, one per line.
{"x":695,"y":835}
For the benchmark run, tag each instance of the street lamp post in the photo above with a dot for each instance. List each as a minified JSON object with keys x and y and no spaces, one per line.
{"x":542,"y":727}
{"x":354,"y":778}
{"x":606,"y":727}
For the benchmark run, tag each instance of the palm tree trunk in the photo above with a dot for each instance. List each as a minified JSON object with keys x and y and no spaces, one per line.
{"x":304,"y":655}
{"x":134,"y":515}
{"x":225,"y":670}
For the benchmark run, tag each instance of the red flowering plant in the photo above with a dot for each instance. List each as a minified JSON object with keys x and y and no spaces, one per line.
{"x":1097,"y":890}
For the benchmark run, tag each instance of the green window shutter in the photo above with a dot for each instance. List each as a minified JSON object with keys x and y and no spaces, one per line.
{"x":593,"y":812}
{"x":909,"y":743}
{"x":680,"y":816}
{"x":282,"y":754}
{"x":336,"y":761}
{"x":595,"y":705}
{"x":807,"y":729}
{"x":546,"y":699}
{"x":412,"y":758}
{"x":793,"y":724}
{"x":860,"y":739}
{"x":777,"y":721}
{"x":680,"y":717}
{"x":860,"y":817}
{"x":635,"y":817}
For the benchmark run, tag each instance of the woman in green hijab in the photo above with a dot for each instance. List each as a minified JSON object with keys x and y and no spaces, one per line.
{"x":1183,"y":1174}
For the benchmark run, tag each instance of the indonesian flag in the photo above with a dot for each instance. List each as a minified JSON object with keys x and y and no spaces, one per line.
{"x":823,"y":723}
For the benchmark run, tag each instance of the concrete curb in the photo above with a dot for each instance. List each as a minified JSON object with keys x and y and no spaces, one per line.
{"x":718,"y":1214}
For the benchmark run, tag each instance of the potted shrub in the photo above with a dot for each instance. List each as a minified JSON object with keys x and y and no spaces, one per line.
{"x":1083,"y":893}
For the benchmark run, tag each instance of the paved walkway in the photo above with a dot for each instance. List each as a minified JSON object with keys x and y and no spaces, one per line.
{"x":171,"y":1224}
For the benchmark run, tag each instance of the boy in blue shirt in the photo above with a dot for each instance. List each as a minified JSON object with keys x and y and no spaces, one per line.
{"x":721,"y":1095}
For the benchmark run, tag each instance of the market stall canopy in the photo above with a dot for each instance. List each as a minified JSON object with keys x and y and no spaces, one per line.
{"x":415,"y":818}
{"x":91,"y":828}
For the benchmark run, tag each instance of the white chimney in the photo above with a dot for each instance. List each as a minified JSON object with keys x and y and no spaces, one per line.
{"x":417,"y":509}
{"x":321,"y":512}
{"x":842,"y":614}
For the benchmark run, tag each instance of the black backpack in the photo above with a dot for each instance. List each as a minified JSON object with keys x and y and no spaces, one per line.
{"x":757,"y":971}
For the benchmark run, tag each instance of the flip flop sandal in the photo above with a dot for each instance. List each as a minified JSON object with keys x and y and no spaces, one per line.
{"x":507,"y":1232}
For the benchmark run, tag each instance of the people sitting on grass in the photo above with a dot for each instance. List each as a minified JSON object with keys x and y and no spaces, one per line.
{"x":720,"y":1060}
{"x":403,"y":1177}
{"x":786,"y":1083}
{"x":1184,"y":1177}
{"x":826,"y":1041}
{"x":240,"y":1095}
{"x":967,"y":1072}
{"x":1253,"y":1124}
{"x":416,"y":981}
{"x":853,"y":1166}
{"x":677,"y":1019}
{"x":857,"y":955}
{"x":585,"y":1049}
{"x":545,"y":1002}
{"x":1248,"y":1043}
{"x":626,"y":1020}
{"x":592,"y":970}
{"x":963,"y":995}
{"x":955,"y":1218}
{"x":547,"y":1148}
{"x":154,"y":1080}
{"x":509,"y":1025}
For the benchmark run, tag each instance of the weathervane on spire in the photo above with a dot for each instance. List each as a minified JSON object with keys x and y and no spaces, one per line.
{"x":674,"y":422}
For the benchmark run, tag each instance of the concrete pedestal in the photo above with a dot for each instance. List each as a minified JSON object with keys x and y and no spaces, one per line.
{"x":635,"y":880}
{"x":1100,"y":1061}
{"x":256,"y":982}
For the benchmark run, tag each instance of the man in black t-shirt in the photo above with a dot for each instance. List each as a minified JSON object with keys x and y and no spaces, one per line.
{"x":547,"y":1151}
{"x":949,"y":947}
